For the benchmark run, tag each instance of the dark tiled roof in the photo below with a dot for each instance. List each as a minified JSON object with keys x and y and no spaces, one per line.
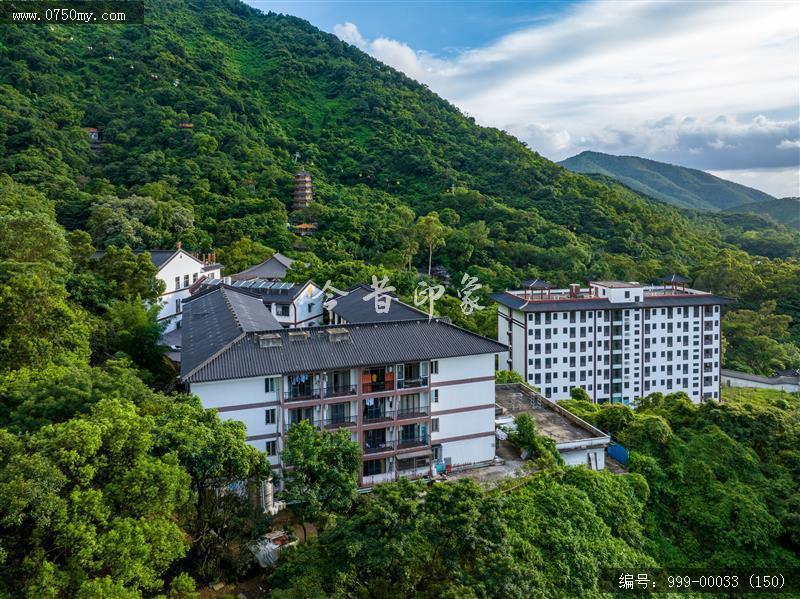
{"x":269,"y":291}
{"x":159,"y":257}
{"x":274,"y":268}
{"x":388,"y":342}
{"x":353,"y":308}
{"x":602,"y":303}
{"x":212,"y":319}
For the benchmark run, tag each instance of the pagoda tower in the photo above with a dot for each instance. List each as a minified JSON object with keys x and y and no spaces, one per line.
{"x":303,"y":190}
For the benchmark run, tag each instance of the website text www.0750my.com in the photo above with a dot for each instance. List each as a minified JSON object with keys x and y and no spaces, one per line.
{"x":72,"y":13}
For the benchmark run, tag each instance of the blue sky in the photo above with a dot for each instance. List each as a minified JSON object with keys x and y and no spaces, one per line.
{"x":710,"y":85}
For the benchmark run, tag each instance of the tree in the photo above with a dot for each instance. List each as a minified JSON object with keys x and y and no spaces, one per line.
{"x":85,"y":505}
{"x":430,"y":232}
{"x":243,"y":253}
{"x":224,"y":471}
{"x":323,"y":475}
{"x":534,"y":445}
{"x":579,"y":394}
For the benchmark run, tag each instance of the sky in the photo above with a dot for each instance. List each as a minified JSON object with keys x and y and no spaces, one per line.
{"x":708,"y":85}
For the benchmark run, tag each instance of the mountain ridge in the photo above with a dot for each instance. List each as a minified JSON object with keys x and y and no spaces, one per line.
{"x":679,"y":186}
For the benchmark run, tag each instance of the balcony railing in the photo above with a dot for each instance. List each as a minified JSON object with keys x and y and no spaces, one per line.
{"x":378,"y":386}
{"x":413,"y":412}
{"x":301,"y":395}
{"x":415,"y":472}
{"x":313,"y":421}
{"x":340,"y":390}
{"x":382,"y":416}
{"x":339,"y":422}
{"x":370,"y":448}
{"x":374,"y":479}
{"x":406,"y":442}
{"x":411,"y":383}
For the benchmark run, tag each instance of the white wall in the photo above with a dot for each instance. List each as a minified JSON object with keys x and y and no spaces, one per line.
{"x":179,"y":266}
{"x":464,"y":367}
{"x":463,"y":423}
{"x":580,"y":457}
{"x":470,"y":451}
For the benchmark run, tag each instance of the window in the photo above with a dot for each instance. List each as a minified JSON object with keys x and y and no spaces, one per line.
{"x":373,"y":467}
{"x":269,"y":416}
{"x":271,"y":449}
{"x":282,"y":309}
{"x":177,"y":283}
{"x":185,"y":280}
{"x":434,"y":425}
{"x":437,"y":452}
{"x":627,"y":294}
{"x":178,"y":306}
{"x":435,"y":396}
{"x":269,"y":385}
{"x":311,"y":307}
{"x":194,"y":278}
{"x":434,"y":366}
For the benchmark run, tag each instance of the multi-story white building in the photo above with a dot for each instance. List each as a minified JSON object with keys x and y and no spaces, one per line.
{"x":412,"y":393}
{"x":182,"y":273}
{"x":618,"y":341}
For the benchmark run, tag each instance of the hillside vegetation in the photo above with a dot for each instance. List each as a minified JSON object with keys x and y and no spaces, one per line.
{"x":207,"y":111}
{"x":677,"y":185}
{"x":785,"y":211}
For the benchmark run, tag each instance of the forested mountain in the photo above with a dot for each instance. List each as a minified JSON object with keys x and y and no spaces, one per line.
{"x":785,"y":211}
{"x":677,"y":185}
{"x":205,"y":113}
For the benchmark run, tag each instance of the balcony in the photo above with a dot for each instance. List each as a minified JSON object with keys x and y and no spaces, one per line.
{"x":419,"y":411}
{"x":372,"y":447}
{"x":378,"y":386}
{"x":413,"y":383}
{"x":340,"y":390}
{"x":374,"y":479}
{"x":372,"y":416}
{"x":414,"y":441}
{"x":301,"y":394}
{"x":292,"y":420}
{"x":338,"y":422}
{"x":415,"y":472}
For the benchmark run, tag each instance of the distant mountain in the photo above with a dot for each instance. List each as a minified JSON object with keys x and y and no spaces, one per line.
{"x":786,"y":211}
{"x":676,"y":185}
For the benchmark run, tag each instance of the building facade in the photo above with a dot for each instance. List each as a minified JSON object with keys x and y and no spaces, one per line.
{"x":411,"y":393}
{"x":618,"y":341}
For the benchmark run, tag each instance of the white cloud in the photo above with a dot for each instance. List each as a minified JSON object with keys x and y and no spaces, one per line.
{"x":779,"y":182}
{"x":349,"y":33}
{"x":646,"y":78}
{"x":788,"y":144}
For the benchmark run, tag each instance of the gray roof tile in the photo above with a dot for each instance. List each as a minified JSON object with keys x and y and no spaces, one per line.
{"x":213,"y":319}
{"x":353,"y":308}
{"x":387,"y":342}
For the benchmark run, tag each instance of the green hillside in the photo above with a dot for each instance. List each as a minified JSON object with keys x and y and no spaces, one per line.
{"x":207,"y":111}
{"x":785,"y":211}
{"x":257,"y":89}
{"x":675,"y":185}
